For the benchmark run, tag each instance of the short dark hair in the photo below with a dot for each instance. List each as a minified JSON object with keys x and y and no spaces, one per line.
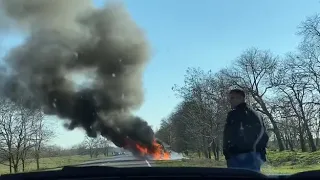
{"x":238,"y":91}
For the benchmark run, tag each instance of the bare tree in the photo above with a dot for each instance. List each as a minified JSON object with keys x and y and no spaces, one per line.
{"x":91,"y":144}
{"x":204,"y":109}
{"x":16,"y":130}
{"x":43,"y":132}
{"x":20,"y":129}
{"x":295,"y":85}
{"x":104,"y":145}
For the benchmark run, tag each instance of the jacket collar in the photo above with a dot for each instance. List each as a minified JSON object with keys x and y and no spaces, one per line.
{"x":240,"y":106}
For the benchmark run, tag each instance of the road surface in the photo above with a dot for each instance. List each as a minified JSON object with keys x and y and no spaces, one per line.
{"x":129,"y":160}
{"x":121,"y":161}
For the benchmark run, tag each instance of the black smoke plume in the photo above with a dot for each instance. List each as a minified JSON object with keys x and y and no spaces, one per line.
{"x":67,"y":37}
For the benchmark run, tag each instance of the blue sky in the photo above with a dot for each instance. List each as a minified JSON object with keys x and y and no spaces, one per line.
{"x":207,"y":33}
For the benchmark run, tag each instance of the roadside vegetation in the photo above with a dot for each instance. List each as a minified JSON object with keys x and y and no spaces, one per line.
{"x":285,"y":162}
{"x":50,"y":163}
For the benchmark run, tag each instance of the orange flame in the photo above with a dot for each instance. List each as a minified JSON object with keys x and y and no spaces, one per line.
{"x":157,"y":151}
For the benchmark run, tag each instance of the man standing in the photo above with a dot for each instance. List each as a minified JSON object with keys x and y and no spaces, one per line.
{"x":245,"y":138}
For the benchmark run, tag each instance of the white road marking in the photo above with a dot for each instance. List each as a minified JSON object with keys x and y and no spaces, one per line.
{"x":148,"y":163}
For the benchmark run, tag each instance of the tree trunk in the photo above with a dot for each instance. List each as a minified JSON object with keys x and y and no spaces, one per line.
{"x":291,"y":145}
{"x":10,"y":165}
{"x":91,"y":153}
{"x":313,"y":147}
{"x":217,"y":150}
{"x":37,"y":160}
{"x":302,"y":142}
{"x":286,"y":143}
{"x":284,"y":136}
{"x":23,"y":164}
{"x":205,"y":152}
{"x":186,"y":152}
{"x":276,"y":130}
{"x":317,"y":134}
{"x":213,"y":147}
{"x":15,"y":167}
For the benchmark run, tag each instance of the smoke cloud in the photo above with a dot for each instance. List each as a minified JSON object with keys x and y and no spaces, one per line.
{"x":72,"y":37}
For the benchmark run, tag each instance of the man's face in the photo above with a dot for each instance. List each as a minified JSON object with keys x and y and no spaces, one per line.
{"x":235,"y":99}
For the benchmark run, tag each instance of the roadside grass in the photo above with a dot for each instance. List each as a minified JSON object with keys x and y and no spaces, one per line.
{"x":50,"y":163}
{"x":266,"y":169}
{"x":278,"y":162}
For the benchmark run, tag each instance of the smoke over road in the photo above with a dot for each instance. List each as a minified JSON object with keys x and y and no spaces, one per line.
{"x":69,"y":37}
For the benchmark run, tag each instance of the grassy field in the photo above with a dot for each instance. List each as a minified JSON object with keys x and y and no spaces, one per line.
{"x":267,"y":168}
{"x":278,"y":162}
{"x":49,"y":163}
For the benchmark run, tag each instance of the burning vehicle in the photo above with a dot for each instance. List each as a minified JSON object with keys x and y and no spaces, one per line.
{"x":165,"y":147}
{"x":155,"y":152}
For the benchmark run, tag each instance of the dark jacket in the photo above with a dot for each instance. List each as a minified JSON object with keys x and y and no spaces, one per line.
{"x":244,"y":132}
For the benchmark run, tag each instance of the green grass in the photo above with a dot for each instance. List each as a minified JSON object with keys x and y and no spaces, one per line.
{"x":293,"y":158}
{"x":278,"y":162}
{"x":49,"y":163}
{"x":266,"y":169}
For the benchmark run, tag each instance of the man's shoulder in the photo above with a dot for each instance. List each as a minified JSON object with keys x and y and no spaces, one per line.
{"x":250,"y":109}
{"x":237,"y":111}
{"x":234,"y":116}
{"x":232,"y":112}
{"x":254,"y":115}
{"x":254,"y":112}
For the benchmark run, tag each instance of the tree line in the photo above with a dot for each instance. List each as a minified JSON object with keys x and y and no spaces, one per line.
{"x":25,"y":136}
{"x":284,"y":89}
{"x":23,"y":133}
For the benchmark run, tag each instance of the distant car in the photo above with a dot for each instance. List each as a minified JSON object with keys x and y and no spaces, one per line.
{"x":118,"y":153}
{"x":165,"y":146}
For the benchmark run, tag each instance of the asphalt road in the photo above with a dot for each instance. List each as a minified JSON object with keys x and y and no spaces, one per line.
{"x":121,"y":161}
{"x":129,"y":160}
